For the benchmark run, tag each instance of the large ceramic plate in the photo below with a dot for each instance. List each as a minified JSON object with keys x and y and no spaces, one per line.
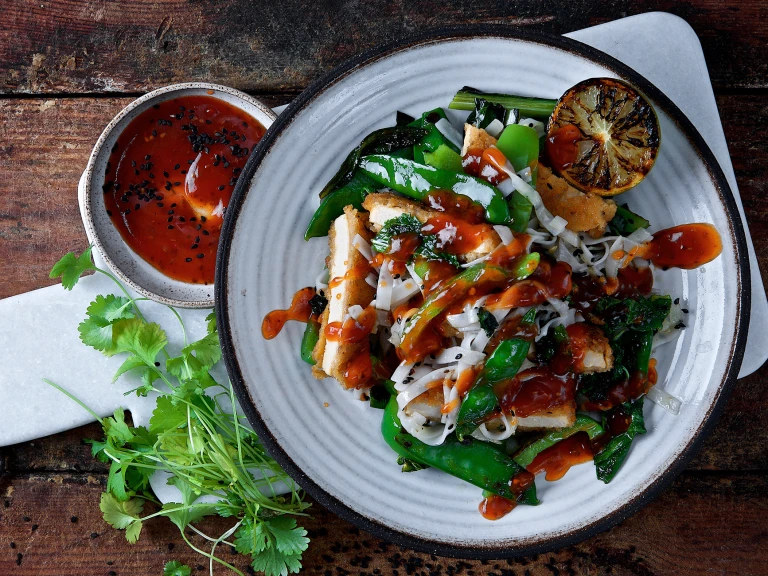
{"x":330,"y":442}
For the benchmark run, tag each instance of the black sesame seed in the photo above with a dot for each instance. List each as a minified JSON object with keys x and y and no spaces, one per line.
{"x":109,"y":212}
{"x":458,"y":356}
{"x":171,"y":211}
{"x":170,"y":218}
{"x":198,"y":227}
{"x":173,"y":205}
{"x":684,"y":310}
{"x":221,"y":187}
{"x":197,"y":239}
{"x":182,"y":219}
{"x":677,"y":300}
{"x":188,"y":259}
{"x":73,"y":519}
{"x":177,"y":166}
{"x":147,"y":157}
{"x":13,"y":544}
{"x":159,"y":204}
{"x":202,"y":218}
{"x":166,"y":174}
{"x":201,"y":255}
{"x":170,"y":226}
{"x":193,"y":247}
{"x":205,"y":232}
{"x":94,"y":535}
{"x":177,"y":183}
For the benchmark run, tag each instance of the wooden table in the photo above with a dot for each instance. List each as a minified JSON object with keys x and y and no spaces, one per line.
{"x":67,"y":66}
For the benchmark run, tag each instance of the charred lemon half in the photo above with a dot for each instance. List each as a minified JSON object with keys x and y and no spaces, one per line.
{"x":603,"y":136}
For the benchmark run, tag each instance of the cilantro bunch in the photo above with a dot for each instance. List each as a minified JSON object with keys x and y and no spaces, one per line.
{"x":195,"y":437}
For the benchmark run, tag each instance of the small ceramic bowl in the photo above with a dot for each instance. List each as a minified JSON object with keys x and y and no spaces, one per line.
{"x":131,"y":268}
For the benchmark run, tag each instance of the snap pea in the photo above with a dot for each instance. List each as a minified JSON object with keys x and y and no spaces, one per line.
{"x":309,"y":340}
{"x":520,"y":209}
{"x":433,"y":138}
{"x":384,"y":141}
{"x":453,"y":290}
{"x":418,"y":180}
{"x":444,"y":158}
{"x":332,"y":206}
{"x":625,"y":221}
{"x":583,"y":423}
{"x":520,"y":145}
{"x":481,"y":401}
{"x":483,"y":464}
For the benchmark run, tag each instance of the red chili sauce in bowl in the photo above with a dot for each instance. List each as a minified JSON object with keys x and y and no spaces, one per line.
{"x":170,"y":177}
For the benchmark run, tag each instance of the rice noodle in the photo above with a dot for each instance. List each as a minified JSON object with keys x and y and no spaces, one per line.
{"x":658,"y":395}
{"x":447,"y":130}
{"x":363,"y":247}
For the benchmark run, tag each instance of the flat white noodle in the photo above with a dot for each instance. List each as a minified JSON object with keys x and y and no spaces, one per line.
{"x":447,"y":130}
{"x":362,"y":246}
{"x":664,"y":399}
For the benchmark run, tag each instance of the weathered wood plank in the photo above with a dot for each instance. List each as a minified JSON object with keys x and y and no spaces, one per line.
{"x":55,"y":525}
{"x":67,"y":46}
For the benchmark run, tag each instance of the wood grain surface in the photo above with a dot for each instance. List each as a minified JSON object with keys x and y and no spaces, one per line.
{"x":67,"y":66}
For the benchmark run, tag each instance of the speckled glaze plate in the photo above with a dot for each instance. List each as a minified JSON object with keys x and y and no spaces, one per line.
{"x":329,"y":442}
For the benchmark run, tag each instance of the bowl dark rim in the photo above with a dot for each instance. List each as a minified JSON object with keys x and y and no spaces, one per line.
{"x":503,"y":550}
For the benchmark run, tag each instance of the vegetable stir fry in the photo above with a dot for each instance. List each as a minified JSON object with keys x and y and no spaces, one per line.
{"x":485,"y":288}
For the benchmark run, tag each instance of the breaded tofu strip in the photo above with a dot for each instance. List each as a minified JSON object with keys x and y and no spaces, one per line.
{"x":333,"y":357}
{"x":476,"y":138}
{"x":383,"y":206}
{"x":585,"y":212}
{"x":557,"y":417}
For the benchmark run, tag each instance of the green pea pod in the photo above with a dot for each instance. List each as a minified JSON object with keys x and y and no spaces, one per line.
{"x":520,"y":144}
{"x":434,"y":138}
{"x":610,"y":458}
{"x":418,"y":180}
{"x":332,"y":206}
{"x":444,"y":158}
{"x":481,"y":401}
{"x":453,"y":290}
{"x":480,"y":463}
{"x":625,"y":221}
{"x":520,"y":209}
{"x":583,"y":423}
{"x":384,"y":141}
{"x":309,"y":340}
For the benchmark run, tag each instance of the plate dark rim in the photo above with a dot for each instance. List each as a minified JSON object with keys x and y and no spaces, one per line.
{"x":502,"y":549}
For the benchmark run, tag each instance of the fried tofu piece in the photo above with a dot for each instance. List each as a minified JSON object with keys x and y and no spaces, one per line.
{"x":333,"y":357}
{"x":428,"y":404}
{"x":591,"y":350}
{"x":585,"y":212}
{"x":383,"y":206}
{"x":561,"y":412}
{"x":476,"y":138}
{"x":559,"y":417}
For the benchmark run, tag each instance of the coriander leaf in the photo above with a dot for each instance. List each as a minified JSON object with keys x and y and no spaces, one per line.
{"x":211,"y":320}
{"x":97,"y":448}
{"x":97,"y":329}
{"x":207,"y":350}
{"x":251,"y":538}
{"x":133,"y":531}
{"x":142,"y":338}
{"x":184,"y":514}
{"x":111,"y":308}
{"x":176,"y":568}
{"x":393,"y":227}
{"x":488,"y":321}
{"x":429,"y":249}
{"x":118,"y":514}
{"x":167,"y":415}
{"x":274,"y":563}
{"x":289,"y":538}
{"x":633,"y":314}
{"x":116,"y":429}
{"x":71,"y":267}
{"x":116,"y":484}
{"x":130,"y":363}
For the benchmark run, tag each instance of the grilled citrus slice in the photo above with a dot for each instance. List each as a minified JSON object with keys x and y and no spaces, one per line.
{"x":603,"y":136}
